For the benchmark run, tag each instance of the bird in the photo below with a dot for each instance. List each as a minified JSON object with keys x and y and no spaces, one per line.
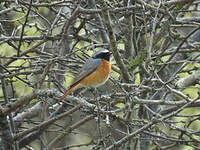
{"x":94,"y":73}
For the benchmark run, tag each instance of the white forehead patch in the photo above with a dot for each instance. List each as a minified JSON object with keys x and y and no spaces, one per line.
{"x":100,"y":52}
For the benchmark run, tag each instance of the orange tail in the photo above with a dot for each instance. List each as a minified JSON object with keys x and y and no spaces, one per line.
{"x":71,"y":89}
{"x":66,"y":93}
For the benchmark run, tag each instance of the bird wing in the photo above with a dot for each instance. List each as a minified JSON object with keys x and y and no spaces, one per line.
{"x":89,"y":67}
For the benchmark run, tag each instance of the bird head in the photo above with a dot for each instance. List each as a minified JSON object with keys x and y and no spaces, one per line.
{"x":103,"y":54}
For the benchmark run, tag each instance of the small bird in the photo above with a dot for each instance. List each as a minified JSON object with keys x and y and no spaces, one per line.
{"x":95,"y":72}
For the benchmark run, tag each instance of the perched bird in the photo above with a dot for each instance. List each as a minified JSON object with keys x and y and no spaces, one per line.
{"x":94,"y":72}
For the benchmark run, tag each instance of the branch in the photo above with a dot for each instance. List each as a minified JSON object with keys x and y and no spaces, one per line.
{"x":23,"y":28}
{"x":175,"y":2}
{"x":17,"y":38}
{"x":129,"y":136}
{"x":189,"y":80}
{"x":113,"y":44}
{"x":6,"y":139}
{"x":100,"y":22}
{"x":70,"y":129}
{"x":45,"y":124}
{"x":178,"y":93}
{"x":20,"y":102}
{"x":30,"y":50}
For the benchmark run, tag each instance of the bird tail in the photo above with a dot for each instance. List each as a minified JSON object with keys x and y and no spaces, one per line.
{"x":66,"y":93}
{"x":70,"y":90}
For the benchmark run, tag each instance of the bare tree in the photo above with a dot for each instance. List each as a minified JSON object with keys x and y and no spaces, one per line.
{"x":151,"y":100}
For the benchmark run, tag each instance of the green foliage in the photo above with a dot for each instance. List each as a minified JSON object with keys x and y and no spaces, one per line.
{"x":19,"y":17}
{"x":6,"y":50}
{"x":43,"y":10}
{"x":69,"y":80}
{"x":137,"y":79}
{"x":138,"y":60}
{"x":31,"y":31}
{"x":21,"y":89}
{"x":188,"y":148}
{"x":179,"y":6}
{"x":192,"y":92}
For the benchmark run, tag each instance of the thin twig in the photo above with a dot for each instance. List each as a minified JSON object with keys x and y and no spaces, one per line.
{"x":23,"y":28}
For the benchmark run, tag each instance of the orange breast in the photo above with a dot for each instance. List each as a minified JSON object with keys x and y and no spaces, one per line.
{"x":99,"y":76}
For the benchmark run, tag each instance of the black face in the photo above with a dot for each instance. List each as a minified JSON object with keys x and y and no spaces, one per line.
{"x":103,"y":55}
